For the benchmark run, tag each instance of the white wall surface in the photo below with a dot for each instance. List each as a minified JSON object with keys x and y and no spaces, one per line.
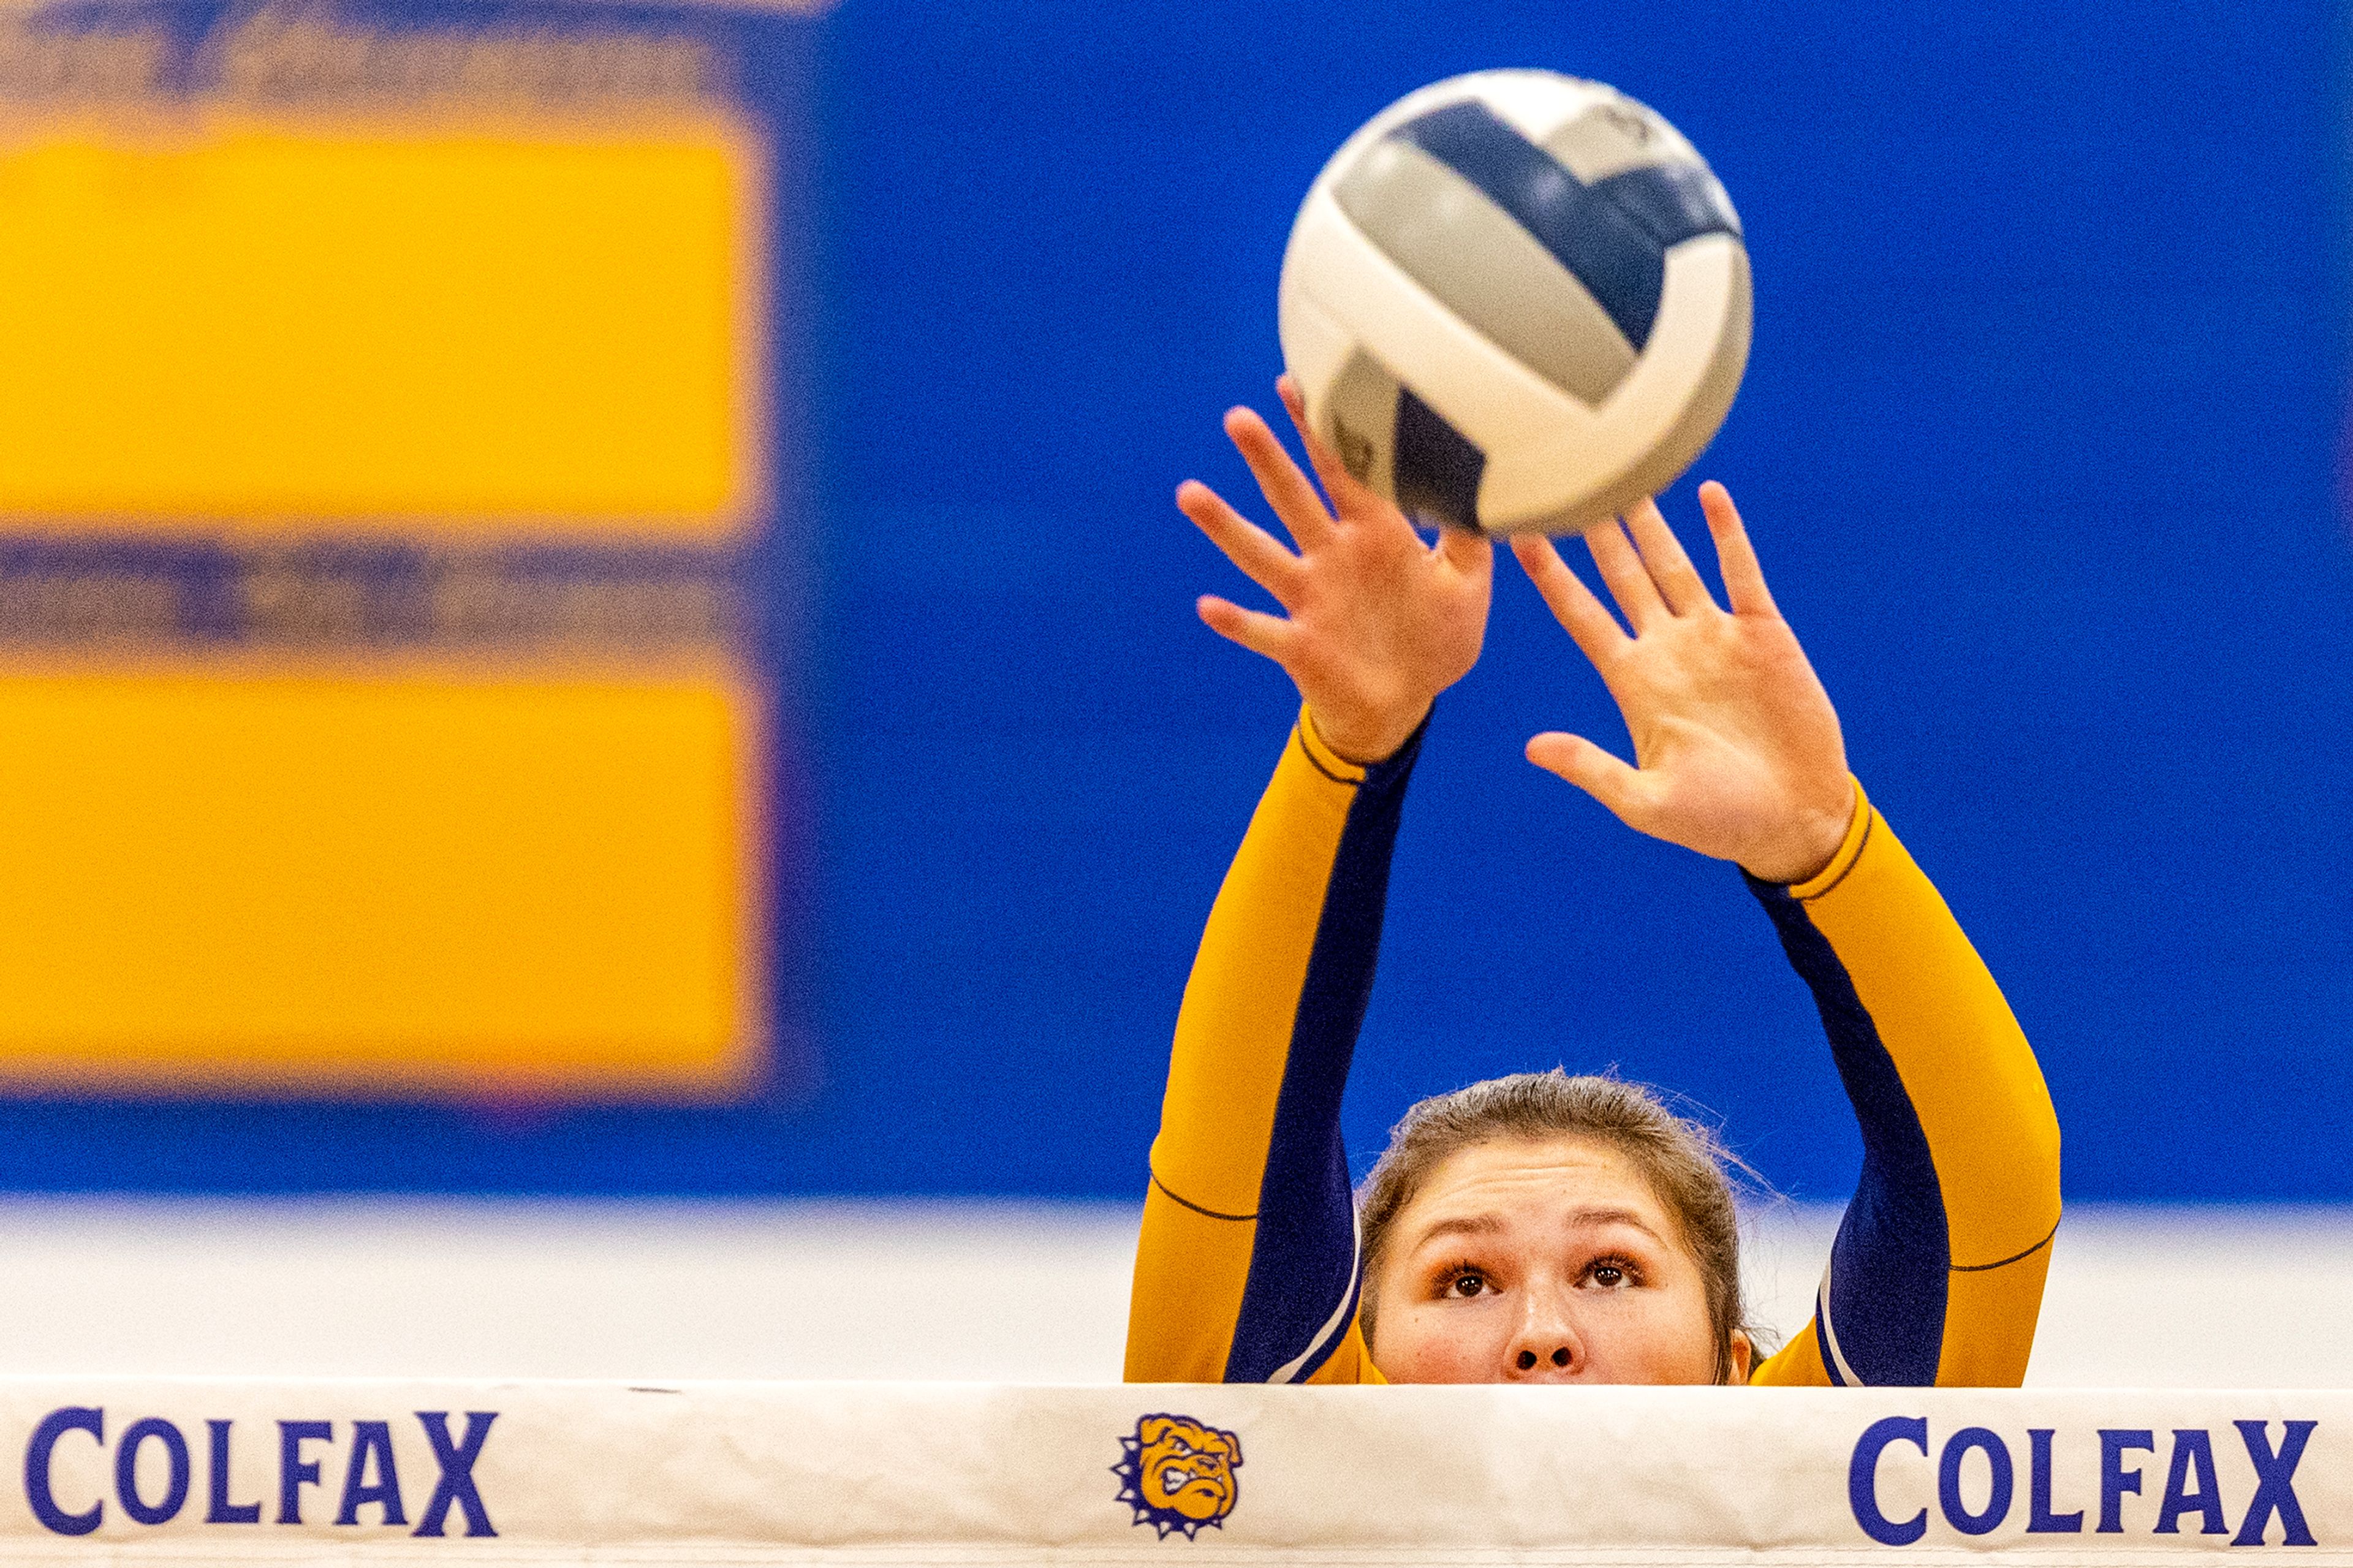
{"x":2189,"y":1298}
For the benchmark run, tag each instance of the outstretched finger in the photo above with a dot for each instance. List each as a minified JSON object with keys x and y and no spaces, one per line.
{"x":1629,"y":580}
{"x":1285,"y":488}
{"x":1611,"y":780}
{"x":1744,"y":579}
{"x":1594,"y":629}
{"x":1258,"y":632}
{"x":1679,"y":582}
{"x":1260,"y":555}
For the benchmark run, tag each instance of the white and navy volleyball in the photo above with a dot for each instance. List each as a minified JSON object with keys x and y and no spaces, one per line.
{"x":1516,"y":302}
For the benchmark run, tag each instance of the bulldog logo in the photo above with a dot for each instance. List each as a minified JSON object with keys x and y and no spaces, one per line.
{"x":1179,"y":1474}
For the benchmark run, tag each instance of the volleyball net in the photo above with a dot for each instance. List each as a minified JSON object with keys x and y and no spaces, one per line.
{"x":210,"y":1471}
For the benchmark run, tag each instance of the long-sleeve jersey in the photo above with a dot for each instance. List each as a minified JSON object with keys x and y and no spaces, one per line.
{"x":1249,"y":1263}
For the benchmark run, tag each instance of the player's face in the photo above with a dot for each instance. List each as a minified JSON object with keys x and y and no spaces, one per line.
{"x":1550,"y":1261}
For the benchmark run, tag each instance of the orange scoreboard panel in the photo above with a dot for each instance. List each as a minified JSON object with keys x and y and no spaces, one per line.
{"x":376,"y":481}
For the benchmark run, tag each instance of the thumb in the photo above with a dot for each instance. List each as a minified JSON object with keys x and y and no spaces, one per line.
{"x":1615,"y":783}
{"x":1466,"y":549}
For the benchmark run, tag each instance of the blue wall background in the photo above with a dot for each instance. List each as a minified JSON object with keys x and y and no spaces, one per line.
{"x":2039,"y":442}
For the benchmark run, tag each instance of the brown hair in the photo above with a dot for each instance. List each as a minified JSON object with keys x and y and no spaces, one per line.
{"x":1683,"y":1160}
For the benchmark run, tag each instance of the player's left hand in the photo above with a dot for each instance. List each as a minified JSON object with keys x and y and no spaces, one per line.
{"x":1736,"y":749}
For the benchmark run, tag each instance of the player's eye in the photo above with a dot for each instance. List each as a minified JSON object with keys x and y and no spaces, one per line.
{"x":1468,"y":1283}
{"x":1612,"y":1274}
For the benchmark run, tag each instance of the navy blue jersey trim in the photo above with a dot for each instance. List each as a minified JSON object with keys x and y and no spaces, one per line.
{"x":1339,"y":1324}
{"x":1603,"y":246}
{"x":2014,"y":1257}
{"x":1302,"y":1266}
{"x":1890,"y":1265}
{"x":1822,"y":1344}
{"x":1182,"y":1202}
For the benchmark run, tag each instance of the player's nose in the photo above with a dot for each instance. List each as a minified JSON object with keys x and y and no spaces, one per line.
{"x":1545,"y":1346}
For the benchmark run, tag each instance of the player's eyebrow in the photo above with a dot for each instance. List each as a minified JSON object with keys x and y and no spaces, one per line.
{"x":1461,"y":1224}
{"x":1487,"y":1224}
{"x":1581,"y":1219}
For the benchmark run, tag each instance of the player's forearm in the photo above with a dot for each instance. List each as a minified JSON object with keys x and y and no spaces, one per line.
{"x":1242,"y":1001}
{"x":1263,"y":1041}
{"x":1937,"y":1272}
{"x":1301,"y":901}
{"x":1966,"y":1070}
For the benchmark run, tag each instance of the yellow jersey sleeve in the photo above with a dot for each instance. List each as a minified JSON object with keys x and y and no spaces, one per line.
{"x":1247,"y":1270}
{"x":1937,"y":1274}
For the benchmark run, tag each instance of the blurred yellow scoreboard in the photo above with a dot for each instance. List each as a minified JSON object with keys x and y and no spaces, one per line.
{"x":260,"y":326}
{"x":257,"y":839}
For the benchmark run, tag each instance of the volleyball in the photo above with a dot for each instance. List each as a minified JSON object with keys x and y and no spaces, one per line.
{"x":1516,"y":302}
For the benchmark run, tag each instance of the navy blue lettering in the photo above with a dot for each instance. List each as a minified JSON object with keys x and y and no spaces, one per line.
{"x":54,"y":1425}
{"x":1862,"y":1479}
{"x":456,"y":1461}
{"x":372,"y":1437}
{"x":126,"y":1471}
{"x":2114,"y":1479}
{"x":221,"y":1511}
{"x":2275,"y":1483}
{"x":2193,"y":1460}
{"x":294,"y":1472}
{"x":2039,"y":1519}
{"x":1948,"y":1481}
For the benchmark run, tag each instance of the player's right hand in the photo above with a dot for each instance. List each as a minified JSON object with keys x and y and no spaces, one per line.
{"x":1378,"y":622}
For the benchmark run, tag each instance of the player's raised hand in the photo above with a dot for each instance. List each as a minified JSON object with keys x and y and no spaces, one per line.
{"x":1376,"y":622}
{"x":1736,"y":748}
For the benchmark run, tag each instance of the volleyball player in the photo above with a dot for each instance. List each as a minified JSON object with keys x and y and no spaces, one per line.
{"x":1543,"y":1226}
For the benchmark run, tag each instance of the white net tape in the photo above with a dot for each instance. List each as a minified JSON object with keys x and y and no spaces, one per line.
{"x":199,"y":1471}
